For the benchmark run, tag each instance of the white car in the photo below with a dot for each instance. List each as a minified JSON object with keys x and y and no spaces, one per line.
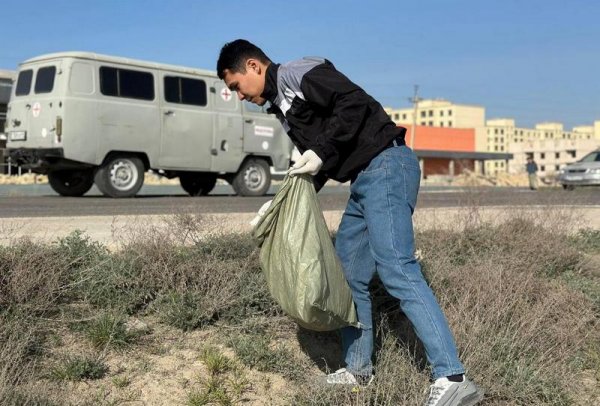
{"x":585,"y":172}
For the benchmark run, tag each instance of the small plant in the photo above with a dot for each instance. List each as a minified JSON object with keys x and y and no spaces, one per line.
{"x":121,"y":381}
{"x":216,"y":362}
{"x":183,"y":311}
{"x":214,"y":391}
{"x":108,"y":330}
{"x":78,"y":368}
{"x":255,"y":351}
{"x":586,"y":240}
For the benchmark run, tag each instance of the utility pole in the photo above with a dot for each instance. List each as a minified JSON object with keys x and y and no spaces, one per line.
{"x":415,"y":101}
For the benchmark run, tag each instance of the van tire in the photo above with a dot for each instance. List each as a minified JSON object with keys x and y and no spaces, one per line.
{"x":120,"y":176}
{"x":197,"y":184}
{"x":253,"y":178}
{"x":71,"y":182}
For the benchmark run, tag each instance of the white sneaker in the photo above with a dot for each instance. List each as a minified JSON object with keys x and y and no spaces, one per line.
{"x":343,"y":377}
{"x":447,"y":393}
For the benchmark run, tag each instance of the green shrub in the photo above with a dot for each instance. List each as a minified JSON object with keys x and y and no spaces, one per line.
{"x":77,"y":368}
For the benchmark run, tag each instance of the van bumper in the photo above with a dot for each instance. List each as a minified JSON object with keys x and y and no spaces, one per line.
{"x":37,"y":159}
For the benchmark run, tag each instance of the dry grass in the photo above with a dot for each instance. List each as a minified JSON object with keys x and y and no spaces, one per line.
{"x":522,"y":298}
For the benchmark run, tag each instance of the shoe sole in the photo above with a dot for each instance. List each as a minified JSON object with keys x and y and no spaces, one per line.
{"x":472,"y":399}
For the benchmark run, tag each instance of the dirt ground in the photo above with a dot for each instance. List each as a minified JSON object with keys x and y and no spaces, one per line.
{"x":112,"y":230}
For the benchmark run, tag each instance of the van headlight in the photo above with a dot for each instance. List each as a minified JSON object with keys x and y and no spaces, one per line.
{"x":595,"y":170}
{"x":561,"y":171}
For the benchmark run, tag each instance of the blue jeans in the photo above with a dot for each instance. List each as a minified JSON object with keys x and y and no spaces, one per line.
{"x":376,"y":235}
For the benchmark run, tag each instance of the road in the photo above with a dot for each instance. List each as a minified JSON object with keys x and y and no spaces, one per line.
{"x":40,"y":201}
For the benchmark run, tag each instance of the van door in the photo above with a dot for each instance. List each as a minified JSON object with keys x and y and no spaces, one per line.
{"x":35,"y":106}
{"x":187,"y":123}
{"x":264,"y":135}
{"x":227,"y":154}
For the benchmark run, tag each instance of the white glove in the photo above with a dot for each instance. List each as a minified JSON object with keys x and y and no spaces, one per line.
{"x":261,"y":212}
{"x":309,"y":163}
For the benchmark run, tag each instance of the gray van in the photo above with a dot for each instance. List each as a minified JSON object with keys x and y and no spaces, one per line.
{"x":84,"y":118}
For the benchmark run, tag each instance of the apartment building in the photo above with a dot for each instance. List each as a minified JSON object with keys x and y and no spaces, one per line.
{"x":503,"y":135}
{"x":443,"y":113}
{"x":549,"y":154}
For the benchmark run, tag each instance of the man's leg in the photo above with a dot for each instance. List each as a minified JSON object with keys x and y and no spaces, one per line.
{"x":388,"y":193}
{"x":352,"y":246}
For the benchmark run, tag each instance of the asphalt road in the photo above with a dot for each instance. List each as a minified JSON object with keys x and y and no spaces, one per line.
{"x":41,"y":201}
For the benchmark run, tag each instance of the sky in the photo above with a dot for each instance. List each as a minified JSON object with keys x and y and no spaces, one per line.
{"x":531,"y":60}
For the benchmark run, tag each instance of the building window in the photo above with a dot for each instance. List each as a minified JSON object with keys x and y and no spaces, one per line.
{"x":496,"y":148}
{"x":556,"y":167}
{"x":449,"y":112}
{"x":423,"y":123}
{"x":572,"y":152}
{"x":441,"y":123}
{"x":449,"y":123}
{"x":441,"y":113}
{"x":542,"y":155}
{"x":423,"y":114}
{"x":430,"y":113}
{"x":557,"y":155}
{"x":501,"y":131}
{"x":501,"y":147}
{"x":495,"y":131}
{"x":431,"y":124}
{"x":542,"y":168}
{"x":403,"y":116}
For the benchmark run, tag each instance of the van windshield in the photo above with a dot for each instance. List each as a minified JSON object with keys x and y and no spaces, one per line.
{"x":24,"y":82}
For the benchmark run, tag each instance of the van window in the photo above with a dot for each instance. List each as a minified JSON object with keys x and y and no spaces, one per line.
{"x":126,"y":83}
{"x":44,"y":80}
{"x":82,"y":78}
{"x":24,"y":82}
{"x":185,"y":91}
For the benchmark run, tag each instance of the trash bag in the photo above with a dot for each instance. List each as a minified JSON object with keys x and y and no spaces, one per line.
{"x":298,"y":258}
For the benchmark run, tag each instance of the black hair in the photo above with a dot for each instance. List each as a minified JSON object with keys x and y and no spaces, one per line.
{"x":234,"y":55}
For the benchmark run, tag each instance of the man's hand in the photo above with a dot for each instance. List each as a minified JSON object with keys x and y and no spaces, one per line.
{"x":309,"y":163}
{"x":261,"y":212}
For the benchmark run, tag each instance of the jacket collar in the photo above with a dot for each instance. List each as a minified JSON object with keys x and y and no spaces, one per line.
{"x":270,"y":90}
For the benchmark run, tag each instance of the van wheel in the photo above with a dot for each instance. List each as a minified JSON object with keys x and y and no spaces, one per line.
{"x":568,"y":187}
{"x":197,"y":184}
{"x":120,"y":176}
{"x":71,"y":182}
{"x":253,"y":178}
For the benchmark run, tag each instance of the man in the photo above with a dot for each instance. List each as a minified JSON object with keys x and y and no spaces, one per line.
{"x":532,"y":169}
{"x":344,"y":134}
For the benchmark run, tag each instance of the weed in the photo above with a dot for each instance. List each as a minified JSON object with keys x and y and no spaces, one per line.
{"x":108,"y":330}
{"x":121,"y":381}
{"x":183,"y":310}
{"x":255,"y":351}
{"x":216,"y":362}
{"x":214,"y":391}
{"x":78,"y":368}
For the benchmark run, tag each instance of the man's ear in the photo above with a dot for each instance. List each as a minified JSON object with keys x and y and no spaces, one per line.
{"x":253,"y":65}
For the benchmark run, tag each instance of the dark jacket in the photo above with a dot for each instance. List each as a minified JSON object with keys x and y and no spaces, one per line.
{"x":531,"y":167}
{"x":322,"y":110}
